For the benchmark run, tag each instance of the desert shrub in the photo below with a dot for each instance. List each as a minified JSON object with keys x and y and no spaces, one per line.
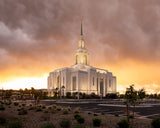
{"x":69,"y":108}
{"x":16,"y":103}
{"x":111,"y":96}
{"x":155,"y":123}
{"x":49,"y":107}
{"x":131,"y":117}
{"x":2,"y":107}
{"x":65,"y":112}
{"x":38,"y":109}
{"x":30,"y":105}
{"x":76,"y":112}
{"x":30,"y":108}
{"x":22,"y":112}
{"x":89,"y":113}
{"x":59,"y":108}
{"x":54,"y":106}
{"x":78,"y":109}
{"x":47,"y":125}
{"x":15,"y":123}
{"x":18,"y":109}
{"x":23,"y":104}
{"x":80,"y":120}
{"x":19,"y":105}
{"x":95,"y":114}
{"x":116,"y":115}
{"x":123,"y":124}
{"x":43,"y":107}
{"x":68,"y":95}
{"x":65,"y":123}
{"x":79,"y":126}
{"x":2,"y":120}
{"x":76,"y":116}
{"x":96,"y":122}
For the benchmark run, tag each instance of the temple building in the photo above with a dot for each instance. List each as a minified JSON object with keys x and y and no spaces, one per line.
{"x":81,"y":77}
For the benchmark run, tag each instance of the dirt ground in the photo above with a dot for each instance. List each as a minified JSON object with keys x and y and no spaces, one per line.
{"x":36,"y":117}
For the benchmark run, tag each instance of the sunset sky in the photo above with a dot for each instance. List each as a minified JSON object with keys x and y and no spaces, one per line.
{"x":37,"y":37}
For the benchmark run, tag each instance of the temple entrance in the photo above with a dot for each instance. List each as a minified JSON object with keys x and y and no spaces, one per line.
{"x":101,"y":86}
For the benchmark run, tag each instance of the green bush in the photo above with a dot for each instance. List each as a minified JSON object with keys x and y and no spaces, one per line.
{"x":76,"y":116}
{"x":65,"y":123}
{"x":2,"y":120}
{"x":155,"y":123}
{"x":16,"y":103}
{"x":123,"y":124}
{"x":95,"y":114}
{"x":80,"y":120}
{"x":48,"y":125}
{"x":65,"y":112}
{"x":14,"y":124}
{"x":76,"y":112}
{"x":43,"y":107}
{"x":2,"y":107}
{"x":96,"y":122}
{"x":68,"y":95}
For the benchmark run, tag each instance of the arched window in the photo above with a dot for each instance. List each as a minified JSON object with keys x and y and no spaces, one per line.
{"x":85,"y":59}
{"x":58,"y":81}
{"x":76,"y":59}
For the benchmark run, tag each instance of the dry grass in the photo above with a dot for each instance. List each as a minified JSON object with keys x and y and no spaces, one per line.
{"x":54,"y":114}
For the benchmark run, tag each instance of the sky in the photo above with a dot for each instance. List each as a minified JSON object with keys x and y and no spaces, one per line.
{"x":37,"y":37}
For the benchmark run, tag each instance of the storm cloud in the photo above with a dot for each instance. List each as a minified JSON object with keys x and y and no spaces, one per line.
{"x":42,"y":35}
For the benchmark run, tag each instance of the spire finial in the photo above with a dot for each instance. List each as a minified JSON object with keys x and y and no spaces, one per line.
{"x":81,"y":28}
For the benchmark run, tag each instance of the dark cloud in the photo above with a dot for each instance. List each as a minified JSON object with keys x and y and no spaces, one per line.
{"x":48,"y":31}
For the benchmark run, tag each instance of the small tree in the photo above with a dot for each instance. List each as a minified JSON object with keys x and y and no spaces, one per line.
{"x":141,"y":94}
{"x":131,"y":99}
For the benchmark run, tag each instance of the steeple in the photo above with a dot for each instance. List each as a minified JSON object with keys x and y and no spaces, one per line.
{"x":81,"y":28}
{"x":81,"y":41}
{"x":81,"y":56}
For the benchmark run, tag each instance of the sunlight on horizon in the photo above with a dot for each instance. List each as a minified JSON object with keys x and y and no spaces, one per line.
{"x":36,"y":82}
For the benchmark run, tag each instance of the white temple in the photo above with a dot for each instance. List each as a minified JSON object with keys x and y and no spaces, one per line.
{"x":81,"y":77}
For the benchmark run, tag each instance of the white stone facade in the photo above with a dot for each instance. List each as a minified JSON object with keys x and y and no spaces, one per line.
{"x":81,"y":77}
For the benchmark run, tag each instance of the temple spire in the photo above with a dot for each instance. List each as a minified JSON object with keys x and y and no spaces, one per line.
{"x":81,"y":28}
{"x":81,"y":41}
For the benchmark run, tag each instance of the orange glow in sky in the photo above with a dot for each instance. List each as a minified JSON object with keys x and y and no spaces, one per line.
{"x":122,"y":37}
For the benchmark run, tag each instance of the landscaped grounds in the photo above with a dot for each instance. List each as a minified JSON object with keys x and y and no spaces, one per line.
{"x":23,"y":115}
